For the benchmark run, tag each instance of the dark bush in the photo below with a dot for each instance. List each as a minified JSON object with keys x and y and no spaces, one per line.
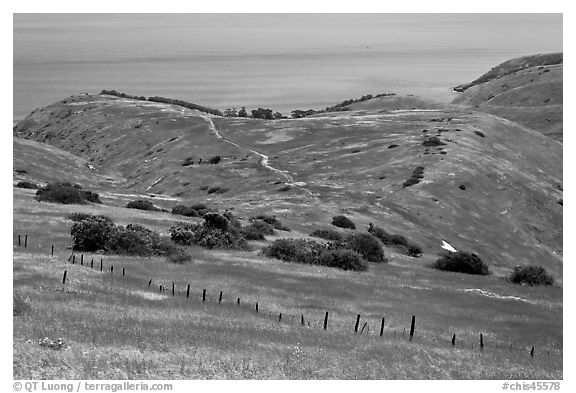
{"x":343,"y":259}
{"x":432,"y":141}
{"x":189,"y":161}
{"x":27,"y":184}
{"x":133,"y":240}
{"x":328,"y":234}
{"x":272,"y":221}
{"x":76,"y":216}
{"x":251,"y":233}
{"x":414,"y":250}
{"x":216,"y":221}
{"x":295,"y":250}
{"x":462,"y":262}
{"x":187,"y":211}
{"x":479,"y":133}
{"x":91,"y":234}
{"x":531,"y":275}
{"x":207,"y":236}
{"x":214,"y":160}
{"x":184,"y":233}
{"x":343,"y":222}
{"x":66,"y":193}
{"x":366,"y":245}
{"x":141,"y":204}
{"x":217,"y":190}
{"x":262,"y":113}
{"x":399,"y":240}
{"x":262,"y":227}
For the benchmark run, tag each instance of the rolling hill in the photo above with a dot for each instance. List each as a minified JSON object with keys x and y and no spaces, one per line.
{"x":527,"y":90}
{"x":490,"y":186}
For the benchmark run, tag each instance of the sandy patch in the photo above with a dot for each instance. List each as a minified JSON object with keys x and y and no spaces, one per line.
{"x":281,"y":135}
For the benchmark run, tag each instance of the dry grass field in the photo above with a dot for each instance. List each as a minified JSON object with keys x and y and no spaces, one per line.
{"x":118,"y":327}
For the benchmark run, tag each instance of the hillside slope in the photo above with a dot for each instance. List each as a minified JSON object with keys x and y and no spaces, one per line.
{"x":528,"y":91}
{"x":483,"y":190}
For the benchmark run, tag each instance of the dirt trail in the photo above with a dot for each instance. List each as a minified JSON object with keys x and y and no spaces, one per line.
{"x":264,"y":159}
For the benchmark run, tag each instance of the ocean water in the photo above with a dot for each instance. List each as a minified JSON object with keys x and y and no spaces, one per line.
{"x":279,"y":61}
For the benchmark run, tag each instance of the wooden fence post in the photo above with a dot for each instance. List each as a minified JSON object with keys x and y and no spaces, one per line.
{"x":64,"y":277}
{"x":150,"y":282}
{"x":123,"y":272}
{"x":101,"y":264}
{"x":25,"y":241}
{"x":92,"y":264}
{"x":70,"y":257}
{"x":280,"y":317}
{"x":52,"y":252}
{"x":173,"y":292}
{"x":302,"y":320}
{"x":454,"y":339}
{"x":256,"y":306}
{"x":111,"y":269}
{"x":382,"y":327}
{"x":203,"y":295}
{"x":412,"y":326}
{"x":365,"y":324}
{"x":532,"y":352}
{"x":188,"y":291}
{"x":326,"y":321}
{"x":73,"y":259}
{"x":220,"y":297}
{"x":481,"y":342}
{"x":238,"y":301}
{"x":19,"y":241}
{"x":357,"y":322}
{"x":82,"y":259}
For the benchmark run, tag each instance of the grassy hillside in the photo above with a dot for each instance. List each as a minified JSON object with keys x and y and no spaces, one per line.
{"x":117,"y":327}
{"x":528,"y":92}
{"x":354,"y":162}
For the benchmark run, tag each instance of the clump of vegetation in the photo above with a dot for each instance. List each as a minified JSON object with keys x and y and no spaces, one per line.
{"x":262,"y":113}
{"x":417,"y":175}
{"x":28,"y":185}
{"x":214,"y":160}
{"x":216,"y":221}
{"x":209,"y":235}
{"x":313,"y":253}
{"x":343,"y":222}
{"x":76,"y":216}
{"x":232,"y":219}
{"x":188,"y":162}
{"x":328,"y":234}
{"x":272,"y":220}
{"x":98,"y":233}
{"x":66,"y":193}
{"x":180,"y":256}
{"x":141,"y":204}
{"x":362,"y":243}
{"x":462,"y":262}
{"x":217,"y":190}
{"x":432,"y":141}
{"x":262,"y":227}
{"x":531,"y":275}
{"x":398,"y":241}
{"x":479,"y":133}
{"x":284,"y":188}
{"x":197,"y":210}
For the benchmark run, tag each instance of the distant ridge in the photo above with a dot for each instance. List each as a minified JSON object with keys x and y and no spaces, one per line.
{"x":514,"y":65}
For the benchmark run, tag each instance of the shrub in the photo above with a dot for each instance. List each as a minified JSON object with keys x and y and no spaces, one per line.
{"x":217,"y":190}
{"x":295,"y":250}
{"x":366,"y":245}
{"x":479,"y":133}
{"x":414,"y":250}
{"x":189,"y":161}
{"x":232,"y":219}
{"x":141,"y":204}
{"x":76,"y":216}
{"x":462,"y":262}
{"x":133,"y":240}
{"x":343,"y":259}
{"x":184,"y":233}
{"x":182,"y":210}
{"x":27,"y":184}
{"x":66,"y":193}
{"x":432,"y":141}
{"x":343,"y":222}
{"x":216,"y":221}
{"x":531,"y":275}
{"x":399,"y":240}
{"x":214,"y":160}
{"x":417,"y":175}
{"x":276,"y":224}
{"x":207,"y":236}
{"x":328,"y":234}
{"x":262,"y":227}
{"x":91,"y":234}
{"x":251,"y":233}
